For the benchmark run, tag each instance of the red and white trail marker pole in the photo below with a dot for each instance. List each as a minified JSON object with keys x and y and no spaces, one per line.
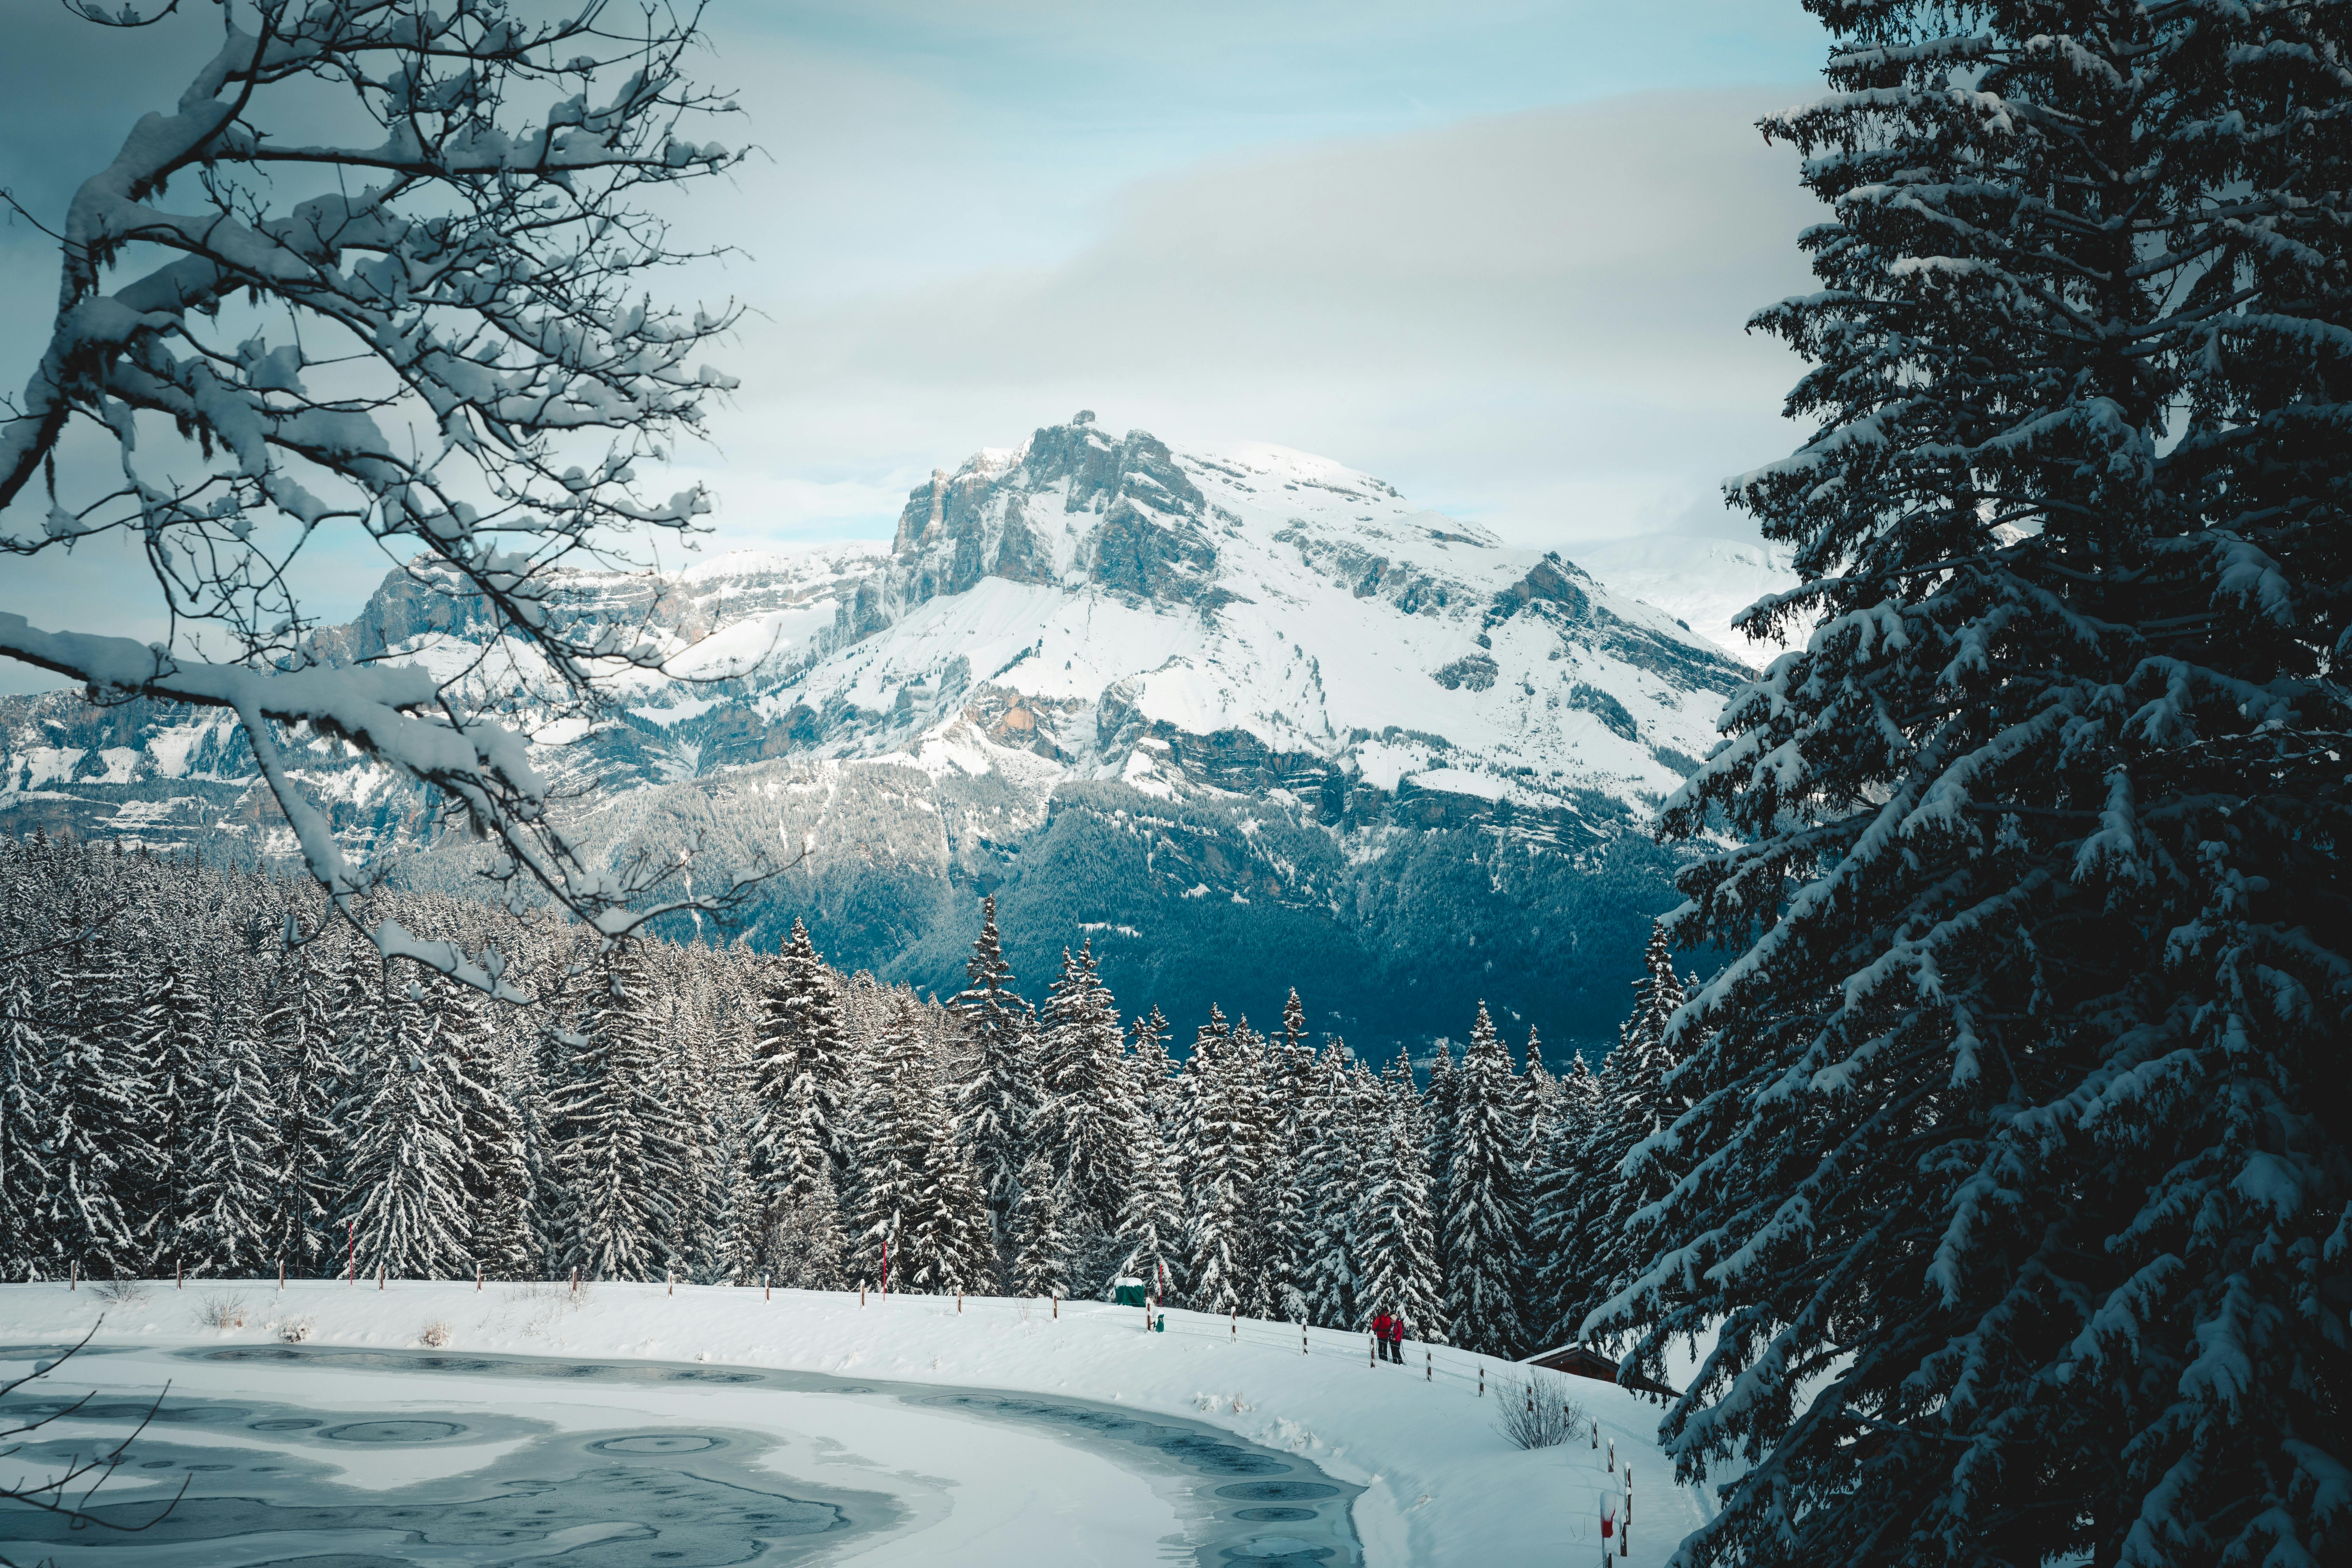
{"x":1608,"y":1524}
{"x":1612,"y":1456}
{"x":350,"y":1252}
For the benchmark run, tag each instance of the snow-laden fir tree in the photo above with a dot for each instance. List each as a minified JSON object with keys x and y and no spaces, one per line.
{"x":1224,"y":1157}
{"x":1633,"y":1109}
{"x":406,"y":1202}
{"x":500,"y":1237}
{"x":233,"y":1182}
{"x":1395,"y":1236}
{"x":1154,"y":1072}
{"x":1437,"y":1108}
{"x":995,"y":1105}
{"x":98,"y":1156}
{"x":1085,"y":1099}
{"x":617,"y":1137}
{"x":799,"y":1080}
{"x":1484,"y":1237}
{"x":803,"y":1242}
{"x":311,"y":1144}
{"x":922,"y":1225}
{"x":1041,"y":1241}
{"x":1563,"y":1181}
{"x":25,"y":1114}
{"x":2017,"y":1126}
{"x":171,"y":1035}
{"x":1152,"y":1215}
{"x":1332,"y":1175}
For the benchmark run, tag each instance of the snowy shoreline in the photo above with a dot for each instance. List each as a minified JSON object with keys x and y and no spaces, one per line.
{"x":1441,"y":1482}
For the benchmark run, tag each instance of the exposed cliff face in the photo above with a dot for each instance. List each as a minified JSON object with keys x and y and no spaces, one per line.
{"x":1258,"y":651}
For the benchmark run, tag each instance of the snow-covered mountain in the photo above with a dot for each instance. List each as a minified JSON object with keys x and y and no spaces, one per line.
{"x":1701,"y":579}
{"x":1165,"y":698}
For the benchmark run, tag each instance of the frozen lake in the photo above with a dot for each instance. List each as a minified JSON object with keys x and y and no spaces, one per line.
{"x":349,"y":1457}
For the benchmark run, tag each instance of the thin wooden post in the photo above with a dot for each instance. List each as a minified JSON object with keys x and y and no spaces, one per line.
{"x":351,"y":1251}
{"x":478,"y":1276}
{"x":768,"y":1291}
{"x":1371,"y":1350}
{"x":575,"y":1279}
{"x":177,"y":1282}
{"x":861,"y":1294}
{"x":1612,"y":1456}
{"x":1237,"y":1322}
{"x":1428,"y":1367}
{"x":1482,"y":1383}
{"x":959,"y":1301}
{"x":379,"y":1275}
{"x":73,"y":1274}
{"x":1302,"y":1339}
{"x":281,"y":1272}
{"x":1058,"y":1308}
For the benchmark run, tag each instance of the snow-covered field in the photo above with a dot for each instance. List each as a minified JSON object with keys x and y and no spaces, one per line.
{"x":1441,"y":1484}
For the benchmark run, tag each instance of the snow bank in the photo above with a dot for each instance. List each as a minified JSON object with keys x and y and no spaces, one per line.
{"x":1442,"y":1484}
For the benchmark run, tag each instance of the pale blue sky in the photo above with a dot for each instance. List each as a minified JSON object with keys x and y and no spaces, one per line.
{"x":1498,"y":254}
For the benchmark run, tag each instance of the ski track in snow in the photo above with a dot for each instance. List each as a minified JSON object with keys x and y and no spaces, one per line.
{"x":1441,"y":1485}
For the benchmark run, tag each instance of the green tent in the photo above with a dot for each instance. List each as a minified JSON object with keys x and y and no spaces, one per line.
{"x":1126,"y":1291}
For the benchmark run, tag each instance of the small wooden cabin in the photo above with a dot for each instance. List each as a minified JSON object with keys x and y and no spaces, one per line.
{"x":1583,"y":1360}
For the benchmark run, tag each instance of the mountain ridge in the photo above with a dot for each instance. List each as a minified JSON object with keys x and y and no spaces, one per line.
{"x":1247,"y":678}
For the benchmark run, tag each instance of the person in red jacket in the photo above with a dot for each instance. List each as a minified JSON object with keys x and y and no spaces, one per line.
{"x":1383,"y":1326}
{"x":1396,"y":1339}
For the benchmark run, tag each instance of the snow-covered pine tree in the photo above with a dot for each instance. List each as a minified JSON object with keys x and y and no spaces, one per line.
{"x":733,"y":1254}
{"x":1542,"y":1087}
{"x":1562,"y":1182}
{"x":995,"y":1105}
{"x":802,"y":1241}
{"x":311,"y":1145}
{"x":100,"y":1160}
{"x":233,"y":1183}
{"x":1085,"y":1099}
{"x":170,"y":1037}
{"x":1393,"y":1239}
{"x":1484,"y":1240}
{"x":497,"y":1180}
{"x":921,"y":1220}
{"x":1634,"y":1107}
{"x":1041,"y":1232}
{"x":616,"y":1135}
{"x":1152,"y":1216}
{"x":1154,"y":1072}
{"x":1436,"y":1112}
{"x":1331,"y":1175}
{"x":800,"y":1073}
{"x":25,"y":1114}
{"x":1222,"y":1163}
{"x":2011,"y":1117}
{"x":408,"y":1191}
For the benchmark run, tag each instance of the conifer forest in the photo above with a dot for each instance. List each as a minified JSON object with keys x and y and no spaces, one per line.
{"x":182,"y":1092}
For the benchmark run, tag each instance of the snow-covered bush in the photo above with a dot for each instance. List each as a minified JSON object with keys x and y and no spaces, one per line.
{"x":221,"y":1311}
{"x":119,"y":1292}
{"x":1534,"y":1410}
{"x":433,"y":1335}
{"x":294,"y":1330}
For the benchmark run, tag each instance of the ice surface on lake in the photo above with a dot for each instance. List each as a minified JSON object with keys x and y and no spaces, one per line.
{"x":272,"y":1483}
